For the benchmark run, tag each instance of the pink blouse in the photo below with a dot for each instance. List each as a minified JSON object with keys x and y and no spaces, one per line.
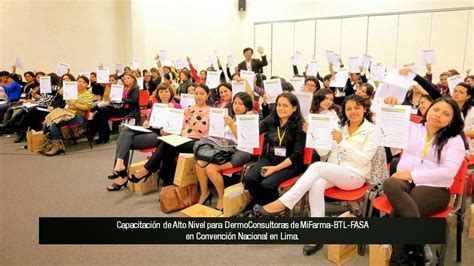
{"x":198,"y":124}
{"x":430,"y":172}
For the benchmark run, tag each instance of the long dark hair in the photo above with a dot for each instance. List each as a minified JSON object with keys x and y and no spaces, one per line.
{"x":246,"y":100}
{"x":295,"y":120}
{"x":359,"y":101}
{"x":468,"y":104}
{"x":318,"y":97}
{"x":453,"y":129}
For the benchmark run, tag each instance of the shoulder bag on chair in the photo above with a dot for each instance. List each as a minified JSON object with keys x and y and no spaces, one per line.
{"x":211,"y":152}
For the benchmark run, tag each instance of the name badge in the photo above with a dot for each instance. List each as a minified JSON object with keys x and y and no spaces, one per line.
{"x":280,"y":151}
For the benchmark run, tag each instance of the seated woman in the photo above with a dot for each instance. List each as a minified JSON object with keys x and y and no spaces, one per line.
{"x":80,"y":107}
{"x":135,"y":140}
{"x":224,"y":90}
{"x":347,"y":167}
{"x":241,"y":104}
{"x":420,"y":186}
{"x":282,"y":156}
{"x":129,"y":106}
{"x":195,"y":126}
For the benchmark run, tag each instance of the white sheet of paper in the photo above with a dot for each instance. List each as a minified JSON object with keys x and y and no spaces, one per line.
{"x":70,"y":90}
{"x":249,"y":76}
{"x":313,"y":68}
{"x":366,"y":60}
{"x":103,"y":75}
{"x":386,"y":90}
{"x":272,"y":89}
{"x":341,"y":78}
{"x":238,"y":86}
{"x":159,"y":115}
{"x":393,"y":125}
{"x":298,"y":83}
{"x":120,"y":68}
{"x":116,"y":93}
{"x":187,"y":100}
{"x":453,"y":81}
{"x":411,"y":65}
{"x":140,"y":82}
{"x":319,"y":134}
{"x":61,"y":68}
{"x":305,"y":99}
{"x":181,"y":63}
{"x":207,"y":62}
{"x":135,"y":64}
{"x":378,"y":72}
{"x":163,"y":55}
{"x":296,"y":58}
{"x":394,"y":78}
{"x":354,"y":64}
{"x":247,"y":131}
{"x":45,"y":84}
{"x":213,"y":79}
{"x":230,"y":61}
{"x":29,"y":105}
{"x":18,"y":62}
{"x":138,"y":128}
{"x":216,"y":122}
{"x":332,"y":57}
{"x":175,"y":121}
{"x":429,"y":57}
{"x":86,"y":74}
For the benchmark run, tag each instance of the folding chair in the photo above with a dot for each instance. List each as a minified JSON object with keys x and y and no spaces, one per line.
{"x":71,"y":127}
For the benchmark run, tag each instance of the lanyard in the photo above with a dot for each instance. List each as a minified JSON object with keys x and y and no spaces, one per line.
{"x":280,"y":136}
{"x":425,"y":147}
{"x":349,"y":138}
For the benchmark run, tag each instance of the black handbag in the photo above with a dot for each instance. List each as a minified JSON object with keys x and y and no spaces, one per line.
{"x":211,"y":152}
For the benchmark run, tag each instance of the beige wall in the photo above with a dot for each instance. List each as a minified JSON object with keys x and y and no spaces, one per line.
{"x":80,"y":33}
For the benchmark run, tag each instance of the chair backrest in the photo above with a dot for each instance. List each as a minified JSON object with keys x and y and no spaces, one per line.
{"x":143,"y":99}
{"x":256,"y":106}
{"x":458,"y":183}
{"x":87,"y":115}
{"x":378,"y":167}
{"x":258,"y":151}
{"x":308,"y":156}
{"x":415,"y":118}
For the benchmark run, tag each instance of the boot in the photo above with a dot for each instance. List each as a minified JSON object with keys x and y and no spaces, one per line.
{"x":20,"y":137}
{"x":56,"y":148}
{"x":47,"y":145}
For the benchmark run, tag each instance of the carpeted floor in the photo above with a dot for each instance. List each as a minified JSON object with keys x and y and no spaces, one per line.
{"x":74,"y":185}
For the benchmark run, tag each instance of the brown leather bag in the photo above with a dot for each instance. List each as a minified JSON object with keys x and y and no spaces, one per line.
{"x":174,"y":198}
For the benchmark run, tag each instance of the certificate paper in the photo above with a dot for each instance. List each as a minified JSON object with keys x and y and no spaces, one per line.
{"x":341,"y":78}
{"x":174,"y":125}
{"x":116,"y":93}
{"x":159,"y":115}
{"x":393,"y":125}
{"x":319,"y":134}
{"x":120,"y":68}
{"x":298,"y":83}
{"x":296,"y":58}
{"x":213,"y":79}
{"x":305,"y":99}
{"x":249,"y":76}
{"x":354,"y":64}
{"x":180,"y":63}
{"x":70,"y":90}
{"x":103,"y":75}
{"x":247,"y":131}
{"x":313,"y":68}
{"x":230,"y":61}
{"x":429,"y":57}
{"x":61,"y":69}
{"x":332,"y":57}
{"x":272,"y":89}
{"x":238,"y":86}
{"x":366,"y":60}
{"x":135,"y":64}
{"x":140,"y":82}
{"x":217,"y":123}
{"x":45,"y":84}
{"x":386,"y":90}
{"x":186,"y":100}
{"x":378,"y":72}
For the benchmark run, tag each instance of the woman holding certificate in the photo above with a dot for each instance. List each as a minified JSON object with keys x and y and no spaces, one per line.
{"x":195,"y":126}
{"x":347,"y":167}
{"x":282,"y":156}
{"x":242,"y":104}
{"x":80,"y":107}
{"x":420,"y":186}
{"x":128,"y":106}
{"x":130,"y":139}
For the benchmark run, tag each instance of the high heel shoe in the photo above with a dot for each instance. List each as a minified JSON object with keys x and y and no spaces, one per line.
{"x":260,"y":210}
{"x":134,"y":179}
{"x":208,"y":198}
{"x":116,"y":186}
{"x":116,"y":174}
